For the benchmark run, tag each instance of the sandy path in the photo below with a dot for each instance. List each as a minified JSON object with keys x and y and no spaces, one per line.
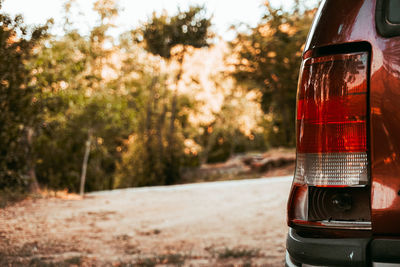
{"x":238,"y":223}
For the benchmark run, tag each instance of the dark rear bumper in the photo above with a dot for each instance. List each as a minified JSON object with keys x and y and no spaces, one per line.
{"x":340,"y":251}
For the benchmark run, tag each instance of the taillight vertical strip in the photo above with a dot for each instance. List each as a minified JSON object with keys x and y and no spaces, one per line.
{"x":332,"y":173}
{"x":331,"y":121}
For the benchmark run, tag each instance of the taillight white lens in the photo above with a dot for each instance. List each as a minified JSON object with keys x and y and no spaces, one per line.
{"x":332,"y":169}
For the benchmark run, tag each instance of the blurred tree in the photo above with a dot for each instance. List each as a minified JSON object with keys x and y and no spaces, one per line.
{"x":143,"y":161}
{"x":19,"y":109}
{"x":84,"y":97}
{"x":170,"y":37}
{"x":144,"y":156}
{"x":187,"y":28}
{"x":268,"y":60}
{"x":234,"y":125}
{"x":59,"y":146}
{"x":229,"y":132}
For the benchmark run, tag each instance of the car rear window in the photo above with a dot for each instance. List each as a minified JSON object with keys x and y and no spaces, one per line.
{"x":393,"y":15}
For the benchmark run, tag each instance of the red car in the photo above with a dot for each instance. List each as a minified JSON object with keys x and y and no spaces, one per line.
{"x":344,"y":205}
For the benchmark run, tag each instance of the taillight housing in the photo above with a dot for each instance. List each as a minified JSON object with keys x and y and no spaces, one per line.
{"x":332,"y":174}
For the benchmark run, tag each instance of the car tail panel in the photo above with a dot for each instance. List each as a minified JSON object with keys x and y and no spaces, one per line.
{"x":344,"y":23}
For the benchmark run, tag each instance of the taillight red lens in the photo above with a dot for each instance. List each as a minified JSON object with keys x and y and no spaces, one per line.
{"x":331,"y":141}
{"x":331,"y":110}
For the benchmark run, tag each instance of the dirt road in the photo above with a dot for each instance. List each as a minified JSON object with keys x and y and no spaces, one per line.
{"x":233,"y":223}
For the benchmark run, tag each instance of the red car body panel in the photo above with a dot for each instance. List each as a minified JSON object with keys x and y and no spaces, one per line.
{"x":344,"y":21}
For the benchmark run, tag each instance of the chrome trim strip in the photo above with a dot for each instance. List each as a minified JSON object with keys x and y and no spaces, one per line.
{"x":345,"y":225}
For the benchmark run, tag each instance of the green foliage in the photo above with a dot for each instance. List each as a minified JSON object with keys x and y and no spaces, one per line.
{"x":145,"y":161}
{"x":19,"y":110}
{"x":163,"y":32}
{"x":269,"y":60}
{"x":79,"y":104}
{"x":224,"y":145}
{"x":60,"y":145}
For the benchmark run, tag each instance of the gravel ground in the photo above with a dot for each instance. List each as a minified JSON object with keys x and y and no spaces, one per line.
{"x":231,"y":223}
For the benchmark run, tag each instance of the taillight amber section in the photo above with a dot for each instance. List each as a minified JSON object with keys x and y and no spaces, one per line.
{"x":331,"y":108}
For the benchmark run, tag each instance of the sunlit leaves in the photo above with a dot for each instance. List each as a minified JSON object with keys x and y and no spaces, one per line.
{"x":268,"y":60}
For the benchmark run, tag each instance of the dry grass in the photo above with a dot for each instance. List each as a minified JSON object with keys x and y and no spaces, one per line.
{"x":60,"y":194}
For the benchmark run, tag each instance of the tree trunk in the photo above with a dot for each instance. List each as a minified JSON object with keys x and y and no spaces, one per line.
{"x":84,"y":164}
{"x":172,"y":162}
{"x":207,"y":146}
{"x":149,"y":135}
{"x":233,"y":143}
{"x":160,"y":126}
{"x":174,"y":103}
{"x":34,"y":185}
{"x":288,"y":126}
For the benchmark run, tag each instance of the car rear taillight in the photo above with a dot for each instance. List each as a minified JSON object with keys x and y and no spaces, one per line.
{"x":331,"y":178}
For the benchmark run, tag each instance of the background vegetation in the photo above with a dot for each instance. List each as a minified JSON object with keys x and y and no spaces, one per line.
{"x":137,"y":110}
